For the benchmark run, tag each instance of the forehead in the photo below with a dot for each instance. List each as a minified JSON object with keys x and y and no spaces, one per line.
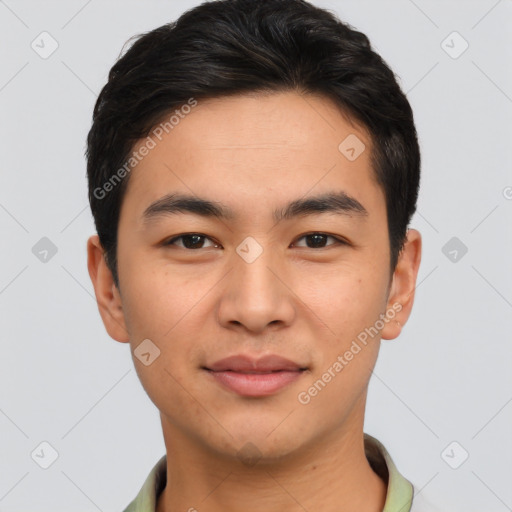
{"x":238,"y":148}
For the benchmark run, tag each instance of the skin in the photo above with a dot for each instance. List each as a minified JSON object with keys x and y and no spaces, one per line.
{"x":255,"y":153}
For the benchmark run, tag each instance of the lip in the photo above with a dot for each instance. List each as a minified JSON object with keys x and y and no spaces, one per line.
{"x":246,"y":364}
{"x":247,"y":376}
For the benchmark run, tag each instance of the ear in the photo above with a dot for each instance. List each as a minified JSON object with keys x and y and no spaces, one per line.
{"x":107,"y":294}
{"x":403,"y":285}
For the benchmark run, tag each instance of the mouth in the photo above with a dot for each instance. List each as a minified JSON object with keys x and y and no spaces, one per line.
{"x":247,"y":376}
{"x":255,"y":383}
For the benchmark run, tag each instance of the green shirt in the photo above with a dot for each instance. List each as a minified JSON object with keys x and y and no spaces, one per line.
{"x":399,"y":496}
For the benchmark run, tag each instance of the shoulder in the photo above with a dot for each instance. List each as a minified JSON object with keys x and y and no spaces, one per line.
{"x":146,"y":499}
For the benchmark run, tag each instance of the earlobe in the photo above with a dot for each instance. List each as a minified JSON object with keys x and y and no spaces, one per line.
{"x":107,"y":295}
{"x":403,"y":286}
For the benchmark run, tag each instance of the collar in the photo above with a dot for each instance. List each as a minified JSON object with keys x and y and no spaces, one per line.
{"x":399,"y":490}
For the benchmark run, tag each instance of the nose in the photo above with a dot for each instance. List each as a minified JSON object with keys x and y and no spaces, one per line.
{"x":256,"y":296}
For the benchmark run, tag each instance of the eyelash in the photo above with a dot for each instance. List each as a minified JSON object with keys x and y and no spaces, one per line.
{"x":338,"y":240}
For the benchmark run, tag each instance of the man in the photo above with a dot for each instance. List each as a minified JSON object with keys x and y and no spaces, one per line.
{"x":253,"y":168}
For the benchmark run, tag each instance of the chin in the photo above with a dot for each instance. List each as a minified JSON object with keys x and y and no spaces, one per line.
{"x":263,"y":445}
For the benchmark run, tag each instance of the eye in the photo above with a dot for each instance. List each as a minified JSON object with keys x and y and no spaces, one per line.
{"x":318,"y":240}
{"x":194,"y":241}
{"x":191,"y":241}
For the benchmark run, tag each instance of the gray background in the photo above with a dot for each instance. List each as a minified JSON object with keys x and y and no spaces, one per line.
{"x":447,"y":378}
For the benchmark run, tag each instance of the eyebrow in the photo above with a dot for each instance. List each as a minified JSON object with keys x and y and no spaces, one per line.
{"x":339,"y":203}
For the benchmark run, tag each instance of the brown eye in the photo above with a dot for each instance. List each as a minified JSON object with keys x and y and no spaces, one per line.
{"x":190,"y":241}
{"x":318,"y":240}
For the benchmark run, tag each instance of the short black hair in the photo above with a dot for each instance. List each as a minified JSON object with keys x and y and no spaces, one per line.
{"x":228,"y":47}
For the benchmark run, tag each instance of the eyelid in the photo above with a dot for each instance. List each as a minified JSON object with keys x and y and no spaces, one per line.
{"x":169,"y":242}
{"x":339,"y":240}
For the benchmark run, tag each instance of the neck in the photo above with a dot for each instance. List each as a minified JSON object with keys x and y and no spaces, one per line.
{"x":329,"y":475}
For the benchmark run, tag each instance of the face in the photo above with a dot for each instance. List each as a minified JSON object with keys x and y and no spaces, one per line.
{"x":258,"y":272}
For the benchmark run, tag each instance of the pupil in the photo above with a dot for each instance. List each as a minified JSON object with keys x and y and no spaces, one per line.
{"x":196,"y":239}
{"x":317,"y":239}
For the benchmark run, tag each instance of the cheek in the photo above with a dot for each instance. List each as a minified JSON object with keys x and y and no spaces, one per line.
{"x":157,"y":302}
{"x":349,"y":307}
{"x":347,"y":299}
{"x":168,"y":309}
{"x":158,"y":309}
